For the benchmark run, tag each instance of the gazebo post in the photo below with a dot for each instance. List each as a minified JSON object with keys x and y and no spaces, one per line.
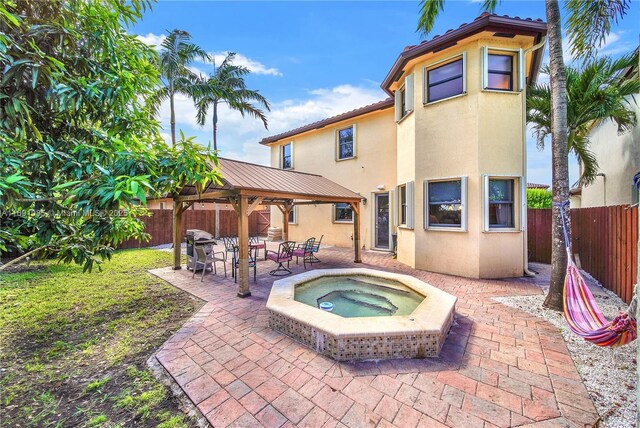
{"x":177,"y":234}
{"x":355,"y":206}
{"x":243,"y":244}
{"x":285,"y":221}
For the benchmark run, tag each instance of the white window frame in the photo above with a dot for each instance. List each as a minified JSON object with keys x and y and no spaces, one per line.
{"x":355,"y":134}
{"x":519,"y":79}
{"x":407,"y":87}
{"x":519,"y":200}
{"x":294,"y":210}
{"x":410,"y":202}
{"x":463,"y":204}
{"x":281,"y":155}
{"x":333,"y":215}
{"x":431,"y":66}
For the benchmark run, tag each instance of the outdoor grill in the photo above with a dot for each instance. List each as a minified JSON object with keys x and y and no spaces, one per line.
{"x":197,"y":237}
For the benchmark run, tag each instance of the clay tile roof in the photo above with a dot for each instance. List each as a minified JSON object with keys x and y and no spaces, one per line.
{"x":537,"y":186}
{"x":380,"y":105}
{"x":238,"y":175}
{"x":484,"y":22}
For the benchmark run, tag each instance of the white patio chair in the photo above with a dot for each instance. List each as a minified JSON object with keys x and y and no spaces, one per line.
{"x":209,"y":260}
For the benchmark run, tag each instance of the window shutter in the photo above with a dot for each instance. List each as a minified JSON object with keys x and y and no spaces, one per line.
{"x":408,"y":87}
{"x":522,"y":77}
{"x":485,"y":203}
{"x":463,"y":202}
{"x":396,"y":207}
{"x":484,"y":55}
{"x":410,"y":204}
{"x":425,"y":204}
{"x":355,"y":141}
{"x":280,"y":151}
{"x":292,"y":156}
{"x":398,"y":104}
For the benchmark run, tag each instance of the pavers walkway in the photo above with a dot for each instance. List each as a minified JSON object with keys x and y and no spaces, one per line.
{"x":499,"y":366}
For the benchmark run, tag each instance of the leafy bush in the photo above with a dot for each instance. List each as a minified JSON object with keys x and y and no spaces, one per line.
{"x":538,"y":198}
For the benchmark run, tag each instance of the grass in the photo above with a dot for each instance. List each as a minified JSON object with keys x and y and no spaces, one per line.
{"x":73,"y":346}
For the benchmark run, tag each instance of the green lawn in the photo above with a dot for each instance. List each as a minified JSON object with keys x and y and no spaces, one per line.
{"x":73,"y":346}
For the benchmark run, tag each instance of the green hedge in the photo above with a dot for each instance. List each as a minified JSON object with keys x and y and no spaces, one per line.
{"x":538,"y":198}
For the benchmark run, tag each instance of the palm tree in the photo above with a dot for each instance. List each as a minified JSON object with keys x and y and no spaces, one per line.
{"x":588,"y":21}
{"x":227,"y":85}
{"x":595,"y":93}
{"x":174,"y":59}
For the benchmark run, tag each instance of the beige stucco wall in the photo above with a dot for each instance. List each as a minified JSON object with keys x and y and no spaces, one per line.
{"x":619,"y":159}
{"x":476,"y":134}
{"x":471,"y":135}
{"x":373,"y":166}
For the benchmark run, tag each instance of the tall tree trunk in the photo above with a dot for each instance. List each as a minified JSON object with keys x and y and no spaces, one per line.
{"x":173,"y":120}
{"x":560,"y":155}
{"x":215,"y":126}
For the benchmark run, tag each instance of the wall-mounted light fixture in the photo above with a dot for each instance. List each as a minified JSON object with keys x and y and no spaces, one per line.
{"x":381,"y":187}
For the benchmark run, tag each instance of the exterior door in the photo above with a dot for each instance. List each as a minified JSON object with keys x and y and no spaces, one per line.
{"x":382,"y":220}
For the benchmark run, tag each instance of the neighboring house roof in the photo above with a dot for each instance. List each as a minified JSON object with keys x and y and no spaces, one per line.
{"x":501,"y":25}
{"x":380,"y":105}
{"x":239,"y":175}
{"x":537,"y":186}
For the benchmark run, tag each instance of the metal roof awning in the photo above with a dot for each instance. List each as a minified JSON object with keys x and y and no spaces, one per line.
{"x":245,"y":186}
{"x":271,"y":184}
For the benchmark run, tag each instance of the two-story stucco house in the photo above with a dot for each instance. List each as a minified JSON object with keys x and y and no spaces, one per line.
{"x":618,"y":158}
{"x":441,"y":163}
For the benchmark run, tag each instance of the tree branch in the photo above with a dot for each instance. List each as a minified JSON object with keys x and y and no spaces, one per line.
{"x":22,"y":257}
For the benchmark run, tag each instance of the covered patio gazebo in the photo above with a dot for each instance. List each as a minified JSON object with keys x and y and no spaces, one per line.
{"x":245,"y":186}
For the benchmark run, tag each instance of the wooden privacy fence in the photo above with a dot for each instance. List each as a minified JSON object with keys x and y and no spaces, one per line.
{"x":160,"y":225}
{"x":605,"y":239}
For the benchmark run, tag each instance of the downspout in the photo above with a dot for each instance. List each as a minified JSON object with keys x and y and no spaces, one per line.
{"x":525,"y":244}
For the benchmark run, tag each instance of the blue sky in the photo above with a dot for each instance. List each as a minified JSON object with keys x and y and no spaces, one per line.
{"x":316,"y":59}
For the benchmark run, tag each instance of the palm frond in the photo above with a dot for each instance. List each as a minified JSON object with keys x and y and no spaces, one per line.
{"x":589,"y":23}
{"x":579,"y":145}
{"x":429,"y":11}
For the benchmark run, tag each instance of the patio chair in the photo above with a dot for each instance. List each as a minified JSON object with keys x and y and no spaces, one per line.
{"x":208,"y":260}
{"x":255,"y":242}
{"x":253,"y":259}
{"x":284,"y":254}
{"x":230,"y":242}
{"x":305,"y":250}
{"x":316,"y":248}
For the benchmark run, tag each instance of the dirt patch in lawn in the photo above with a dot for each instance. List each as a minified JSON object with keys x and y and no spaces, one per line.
{"x":74,"y":346}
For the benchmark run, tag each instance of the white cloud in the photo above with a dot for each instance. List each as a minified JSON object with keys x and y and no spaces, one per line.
{"x":254,"y":66}
{"x":238,"y":137}
{"x":614,"y":44}
{"x":152,"y":39}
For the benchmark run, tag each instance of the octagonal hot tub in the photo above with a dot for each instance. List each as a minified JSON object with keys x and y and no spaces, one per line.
{"x":362,"y":314}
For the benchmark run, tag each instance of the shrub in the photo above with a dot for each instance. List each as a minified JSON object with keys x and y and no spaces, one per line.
{"x":538,"y":198}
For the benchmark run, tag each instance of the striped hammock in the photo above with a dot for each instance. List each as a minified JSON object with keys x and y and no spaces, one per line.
{"x":582,"y":314}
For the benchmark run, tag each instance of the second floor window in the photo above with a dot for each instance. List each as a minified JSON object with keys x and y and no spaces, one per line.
{"x":500,"y":72}
{"x":445,"y":81}
{"x":346,"y":143}
{"x":287,"y":157}
{"x":404,"y":98}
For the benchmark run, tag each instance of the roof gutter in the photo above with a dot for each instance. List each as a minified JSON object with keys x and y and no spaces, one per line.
{"x":488,"y":23}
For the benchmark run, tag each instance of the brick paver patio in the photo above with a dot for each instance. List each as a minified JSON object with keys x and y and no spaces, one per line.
{"x":499,"y":366}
